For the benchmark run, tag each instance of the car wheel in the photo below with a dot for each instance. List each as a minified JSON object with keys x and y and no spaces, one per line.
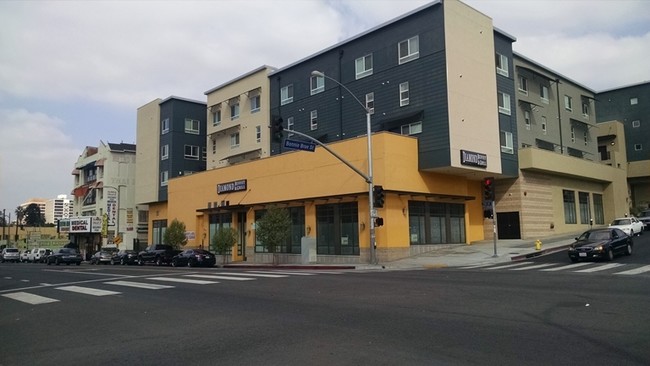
{"x":610,"y":254}
{"x":628,"y":249}
{"x":159,"y":261}
{"x":574,"y":260}
{"x":140,"y":261}
{"x":48,"y":263}
{"x":174,"y":263}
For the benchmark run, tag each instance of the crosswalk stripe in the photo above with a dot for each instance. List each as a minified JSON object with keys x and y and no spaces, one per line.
{"x":148,"y":286}
{"x":532,"y":267}
{"x":635,"y":271}
{"x":600,"y":268}
{"x":30,"y":298}
{"x":510,"y":265}
{"x":228,"y":278}
{"x":290,"y":273}
{"x":251,"y":274}
{"x":568,"y":266}
{"x":182,"y":280}
{"x":87,"y":290}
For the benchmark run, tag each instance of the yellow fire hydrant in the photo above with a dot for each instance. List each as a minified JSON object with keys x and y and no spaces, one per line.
{"x":538,"y":245}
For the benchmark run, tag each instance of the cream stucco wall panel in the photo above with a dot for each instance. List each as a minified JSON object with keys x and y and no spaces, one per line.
{"x":471,"y":84}
{"x":147,"y":153}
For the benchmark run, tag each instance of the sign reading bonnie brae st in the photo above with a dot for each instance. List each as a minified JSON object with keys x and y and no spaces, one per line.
{"x":473,"y":158}
{"x":234,"y":186}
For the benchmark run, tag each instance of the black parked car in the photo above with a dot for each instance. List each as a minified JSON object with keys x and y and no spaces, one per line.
{"x":600,"y":244}
{"x":125,"y":257}
{"x":64,"y":255}
{"x":194,"y":258}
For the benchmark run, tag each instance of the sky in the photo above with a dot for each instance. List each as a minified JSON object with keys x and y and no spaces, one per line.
{"x":73,"y":73}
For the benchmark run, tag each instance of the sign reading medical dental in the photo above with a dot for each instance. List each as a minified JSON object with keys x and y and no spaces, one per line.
{"x":235,"y":186}
{"x":473,"y":158}
{"x":85,"y":224}
{"x":299,"y":145}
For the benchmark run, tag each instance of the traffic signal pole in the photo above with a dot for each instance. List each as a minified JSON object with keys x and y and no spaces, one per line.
{"x":494,"y":228}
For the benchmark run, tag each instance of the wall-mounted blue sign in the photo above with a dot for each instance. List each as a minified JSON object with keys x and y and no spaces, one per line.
{"x":299,"y":145}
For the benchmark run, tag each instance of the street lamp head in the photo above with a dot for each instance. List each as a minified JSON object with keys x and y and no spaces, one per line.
{"x":317,"y":73}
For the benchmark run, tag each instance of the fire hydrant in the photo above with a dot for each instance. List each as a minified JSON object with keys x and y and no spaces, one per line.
{"x":538,"y":245}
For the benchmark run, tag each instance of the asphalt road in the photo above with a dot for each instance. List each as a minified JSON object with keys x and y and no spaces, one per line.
{"x":445,"y":316}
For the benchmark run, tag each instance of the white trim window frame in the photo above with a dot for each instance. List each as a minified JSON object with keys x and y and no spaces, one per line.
{"x":192,"y":126}
{"x":258,"y":134}
{"x":523,"y":85}
{"x":370,"y":102}
{"x":191,"y":152}
{"x":408,"y":50}
{"x":544,"y":125}
{"x":317,"y":84}
{"x":506,"y":142}
{"x":638,"y":147}
{"x":313,"y":120}
{"x":234,"y":109}
{"x":234,"y":140}
{"x":216,"y":116}
{"x":164,"y":126}
{"x":164,"y":178}
{"x":634,"y":101}
{"x":568,"y":103}
{"x":411,"y":128}
{"x":164,"y":152}
{"x":527,"y":119}
{"x":290,"y":125}
{"x":543,"y":93}
{"x":404,"y":95}
{"x":502,"y":65}
{"x":214,"y":145}
{"x":585,"y":110}
{"x":504,"y":103}
{"x":363,"y":66}
{"x":573,"y":134}
{"x":256,"y":105}
{"x":286,"y":94}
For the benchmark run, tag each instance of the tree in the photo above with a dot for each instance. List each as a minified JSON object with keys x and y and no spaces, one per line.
{"x":33,"y":215}
{"x":20,"y":214}
{"x":223,"y":240}
{"x":175,"y":234}
{"x":274,"y":229}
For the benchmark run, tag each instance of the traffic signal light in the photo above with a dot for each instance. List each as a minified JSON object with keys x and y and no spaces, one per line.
{"x":488,"y":189}
{"x":487,"y":213}
{"x":276,"y":130}
{"x":379,"y":221}
{"x":378,"y":196}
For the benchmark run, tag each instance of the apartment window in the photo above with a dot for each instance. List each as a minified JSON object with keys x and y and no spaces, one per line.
{"x":409,"y":50}
{"x":234,"y":109}
{"x":527,"y":119}
{"x":504,"y":103}
{"x":363,"y":66}
{"x":255,"y":103}
{"x":585,"y":110}
{"x":568,"y":103}
{"x":290,"y":126}
{"x":544,"y":125}
{"x":403,"y":94}
{"x":638,"y":147}
{"x":164,"y":152}
{"x":636,"y":124}
{"x":523,"y":85}
{"x":502,"y":65}
{"x":370,"y":102}
{"x":573,"y":134}
{"x":569,"y":199}
{"x":506,"y":142}
{"x":634,"y":101}
{"x":164,"y":178}
{"x":286,"y":94}
{"x":234,"y":140}
{"x":214,"y":145}
{"x":543,"y":93}
{"x":584,"y":136}
{"x":216,"y":117}
{"x":317,"y":84}
{"x":191,"y":152}
{"x":192,"y":126}
{"x":204,"y":154}
{"x":412,"y":128}
{"x":164,"y":126}
{"x":314,"y":120}
{"x":258,"y":134}
{"x":585,"y":213}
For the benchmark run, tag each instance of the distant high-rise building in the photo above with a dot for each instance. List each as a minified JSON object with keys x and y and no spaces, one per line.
{"x":58,"y":208}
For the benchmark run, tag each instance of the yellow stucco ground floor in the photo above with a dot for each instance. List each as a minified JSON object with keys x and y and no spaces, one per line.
{"x":328,"y":203}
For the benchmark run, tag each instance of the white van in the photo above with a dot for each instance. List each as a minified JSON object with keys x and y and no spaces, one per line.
{"x":36,"y":255}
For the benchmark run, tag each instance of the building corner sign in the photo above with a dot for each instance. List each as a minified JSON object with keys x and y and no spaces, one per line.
{"x":472,"y":158}
{"x":234,"y":186}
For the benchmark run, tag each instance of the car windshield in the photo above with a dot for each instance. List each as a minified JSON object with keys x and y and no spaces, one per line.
{"x":67,"y":251}
{"x":595,"y":235}
{"x":12,"y":250}
{"x":621,"y":222}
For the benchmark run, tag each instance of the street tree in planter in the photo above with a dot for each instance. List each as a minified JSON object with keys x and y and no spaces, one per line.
{"x":175,"y":234}
{"x":223,"y":240}
{"x":273,"y":230}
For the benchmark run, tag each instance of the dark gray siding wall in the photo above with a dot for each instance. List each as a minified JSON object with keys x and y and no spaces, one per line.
{"x":340,"y":116}
{"x":615,"y":105}
{"x":509,"y":162}
{"x":177,"y":111}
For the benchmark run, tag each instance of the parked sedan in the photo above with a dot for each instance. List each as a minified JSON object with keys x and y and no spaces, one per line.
{"x":64,"y":255}
{"x":101,"y":257}
{"x":630,"y":225}
{"x":600,"y":244}
{"x":194,"y":258}
{"x":10,"y":255}
{"x":125,"y":257}
{"x":24,"y":255}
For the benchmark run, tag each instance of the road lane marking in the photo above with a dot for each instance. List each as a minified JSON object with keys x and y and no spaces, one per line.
{"x":30,"y":298}
{"x":568,"y":266}
{"x":182,"y":280}
{"x":290,"y":273}
{"x":251,"y":274}
{"x":537,"y":266}
{"x":510,"y":265}
{"x":228,"y":278}
{"x":477,"y":266}
{"x":87,"y":290}
{"x":148,"y":286}
{"x":600,"y":268}
{"x":635,"y":271}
